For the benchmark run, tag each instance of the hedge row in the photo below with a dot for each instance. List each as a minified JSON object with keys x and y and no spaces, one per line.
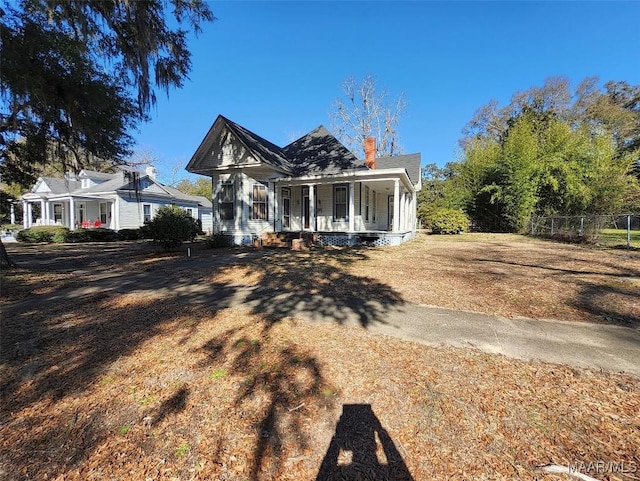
{"x":60,"y":234}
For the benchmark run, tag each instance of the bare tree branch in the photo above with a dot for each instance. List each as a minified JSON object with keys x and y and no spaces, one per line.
{"x":366,"y":112}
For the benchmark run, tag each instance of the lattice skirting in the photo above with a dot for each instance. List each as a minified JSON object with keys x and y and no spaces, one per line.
{"x":362,"y":239}
{"x":343,"y":239}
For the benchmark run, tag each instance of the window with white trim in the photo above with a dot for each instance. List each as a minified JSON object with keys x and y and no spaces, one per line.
{"x":340,"y":202}
{"x":189,"y":211}
{"x":259,"y":202}
{"x":57,"y":213}
{"x":146,"y":212}
{"x":103,"y":212}
{"x":226,"y":201}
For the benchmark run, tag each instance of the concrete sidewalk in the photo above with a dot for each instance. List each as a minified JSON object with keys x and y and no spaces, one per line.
{"x":595,"y":346}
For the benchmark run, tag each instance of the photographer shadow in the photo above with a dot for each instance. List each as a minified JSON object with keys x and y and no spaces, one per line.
{"x":361,"y":449}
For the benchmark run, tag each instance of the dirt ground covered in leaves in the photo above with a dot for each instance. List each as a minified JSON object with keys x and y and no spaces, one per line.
{"x":146,"y":385}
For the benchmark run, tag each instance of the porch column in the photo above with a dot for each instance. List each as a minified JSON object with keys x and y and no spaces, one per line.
{"x":112,"y":217}
{"x":396,"y":206}
{"x":215,"y":204}
{"x":406,"y":216}
{"x":13,"y":213}
{"x":312,"y":208}
{"x":26,"y":214}
{"x":42,"y":213}
{"x":47,"y":213}
{"x":414,"y":212}
{"x":352,"y":207}
{"x":72,"y":214}
{"x":116,"y":213}
{"x":276,"y":206}
{"x":238,"y":221}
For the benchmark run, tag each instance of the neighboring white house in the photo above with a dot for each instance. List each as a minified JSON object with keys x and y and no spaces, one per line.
{"x":313,"y":185}
{"x":124,"y":200}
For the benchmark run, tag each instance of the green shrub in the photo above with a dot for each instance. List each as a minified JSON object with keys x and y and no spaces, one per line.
{"x":130,"y":234}
{"x":11,"y":227}
{"x":92,"y":235}
{"x":448,"y":221}
{"x":170,"y":227}
{"x":53,"y":233}
{"x":217,"y":241}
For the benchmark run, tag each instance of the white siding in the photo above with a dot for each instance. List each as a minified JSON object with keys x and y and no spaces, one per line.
{"x":131,"y":211}
{"x":42,"y":187}
{"x":242,"y":222}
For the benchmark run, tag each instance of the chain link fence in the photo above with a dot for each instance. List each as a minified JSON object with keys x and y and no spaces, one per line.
{"x":610,"y":230}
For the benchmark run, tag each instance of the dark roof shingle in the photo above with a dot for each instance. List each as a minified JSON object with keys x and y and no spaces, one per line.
{"x":409,"y":162}
{"x":319,"y":152}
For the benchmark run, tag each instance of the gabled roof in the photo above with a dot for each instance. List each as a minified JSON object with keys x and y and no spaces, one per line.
{"x":410,"y":162}
{"x":114,"y":183}
{"x":203,"y":201}
{"x":261,"y":148}
{"x":319,"y":152}
{"x":93,"y":175}
{"x":58,"y":185}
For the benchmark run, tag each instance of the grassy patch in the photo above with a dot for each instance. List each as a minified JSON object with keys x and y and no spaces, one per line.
{"x":618,"y":237}
{"x":218,"y":374}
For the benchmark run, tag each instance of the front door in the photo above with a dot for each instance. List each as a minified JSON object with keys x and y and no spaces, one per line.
{"x":306,"y":214}
{"x":286,"y":207}
{"x":390,"y":212}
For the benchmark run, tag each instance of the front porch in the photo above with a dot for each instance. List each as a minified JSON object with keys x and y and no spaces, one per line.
{"x":71,"y":212}
{"x":367,"y":207}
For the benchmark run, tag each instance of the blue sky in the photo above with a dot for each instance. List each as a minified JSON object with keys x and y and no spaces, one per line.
{"x":276,"y":67}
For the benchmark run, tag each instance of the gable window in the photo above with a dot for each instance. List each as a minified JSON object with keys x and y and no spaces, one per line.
{"x":340,"y":202}
{"x":259,"y":202}
{"x":366,"y":203}
{"x":146,"y":211}
{"x":226,"y":201}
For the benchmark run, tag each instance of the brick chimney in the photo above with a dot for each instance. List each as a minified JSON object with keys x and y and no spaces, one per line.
{"x":370,"y":152}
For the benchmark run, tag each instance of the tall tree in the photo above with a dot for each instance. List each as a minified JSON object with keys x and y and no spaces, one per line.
{"x":201,"y":186}
{"x":364,"y":111}
{"x":78,"y":76}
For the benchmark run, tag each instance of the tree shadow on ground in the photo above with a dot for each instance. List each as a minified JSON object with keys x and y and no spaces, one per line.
{"x":597,"y":290}
{"x":284,"y":379}
{"x":612,"y":302}
{"x":55,"y":346}
{"x":356,"y":449}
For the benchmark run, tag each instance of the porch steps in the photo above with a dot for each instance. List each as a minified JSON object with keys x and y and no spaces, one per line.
{"x":285,"y":239}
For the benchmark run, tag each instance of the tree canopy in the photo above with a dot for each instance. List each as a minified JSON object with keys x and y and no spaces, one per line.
{"x":78,"y":77}
{"x":549,"y":152}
